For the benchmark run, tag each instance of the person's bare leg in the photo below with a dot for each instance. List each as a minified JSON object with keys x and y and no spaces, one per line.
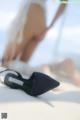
{"x":35,"y":24}
{"x":75,"y":77}
{"x":68,"y":67}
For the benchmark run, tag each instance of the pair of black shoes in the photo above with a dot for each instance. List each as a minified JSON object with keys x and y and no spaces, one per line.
{"x":37,"y":84}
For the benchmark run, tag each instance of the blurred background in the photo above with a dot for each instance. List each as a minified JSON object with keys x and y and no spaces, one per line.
{"x":62,"y":41}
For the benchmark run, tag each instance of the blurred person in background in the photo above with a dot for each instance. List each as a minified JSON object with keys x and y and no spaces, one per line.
{"x":28,"y":29}
{"x":26,"y":32}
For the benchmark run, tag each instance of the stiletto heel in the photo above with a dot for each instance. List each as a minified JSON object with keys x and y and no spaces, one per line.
{"x":37,"y":84}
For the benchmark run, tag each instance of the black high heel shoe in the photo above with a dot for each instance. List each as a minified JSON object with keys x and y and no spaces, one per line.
{"x":37,"y":84}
